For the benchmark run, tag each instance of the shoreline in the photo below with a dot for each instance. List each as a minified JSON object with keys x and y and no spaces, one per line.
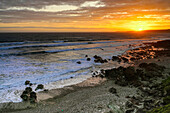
{"x":57,"y":96}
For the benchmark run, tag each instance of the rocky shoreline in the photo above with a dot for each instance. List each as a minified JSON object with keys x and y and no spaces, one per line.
{"x":141,"y":87}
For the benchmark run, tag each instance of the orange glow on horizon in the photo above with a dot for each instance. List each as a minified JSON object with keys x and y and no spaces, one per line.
{"x":88,"y":16}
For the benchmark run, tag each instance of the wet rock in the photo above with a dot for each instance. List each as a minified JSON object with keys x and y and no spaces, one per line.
{"x":88,"y":59}
{"x":28,"y":89}
{"x":78,"y":62}
{"x":25,"y":96}
{"x":27,"y":82}
{"x":102,"y":71}
{"x":95,"y":56}
{"x":112,"y":90}
{"x":46,"y":90}
{"x":40,"y":86}
{"x":33,"y":97}
{"x":125,"y":60}
{"x":115,"y":58}
{"x":99,"y":59}
{"x":31,"y":84}
{"x":133,"y":59}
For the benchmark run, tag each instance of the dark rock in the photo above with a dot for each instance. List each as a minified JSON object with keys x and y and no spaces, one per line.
{"x":128,"y":104}
{"x":143,"y":65}
{"x":125,"y":59}
{"x":45,"y":90}
{"x":101,"y":75}
{"x":95,"y":56}
{"x":130,"y":74}
{"x":132,"y":59}
{"x":102,"y":71}
{"x":129,"y":111}
{"x":88,"y":59}
{"x":25,"y":96}
{"x":27,"y":82}
{"x":112,"y":90}
{"x":115,"y":58}
{"x":30,"y":84}
{"x":140,"y":111}
{"x":78,"y":62}
{"x":141,"y":74}
{"x":33,"y":97}
{"x":28,"y":89}
{"x":148,"y":104}
{"x":166,"y":100}
{"x":114,"y":73}
{"x":105,"y":61}
{"x":40,"y":86}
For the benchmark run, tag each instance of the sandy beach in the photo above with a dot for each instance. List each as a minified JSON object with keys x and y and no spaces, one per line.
{"x":104,"y":94}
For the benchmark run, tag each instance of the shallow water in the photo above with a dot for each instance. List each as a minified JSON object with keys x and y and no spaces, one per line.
{"x":50,"y":62}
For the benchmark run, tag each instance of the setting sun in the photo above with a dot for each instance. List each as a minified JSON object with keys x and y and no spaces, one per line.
{"x":137,"y":25}
{"x":140,"y":29}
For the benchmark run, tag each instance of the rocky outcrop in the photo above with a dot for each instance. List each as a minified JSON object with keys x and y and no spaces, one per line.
{"x":28,"y":95}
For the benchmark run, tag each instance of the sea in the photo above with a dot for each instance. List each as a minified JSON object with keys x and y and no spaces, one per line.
{"x":51,"y":58}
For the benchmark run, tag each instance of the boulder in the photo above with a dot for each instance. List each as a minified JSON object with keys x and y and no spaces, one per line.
{"x":116,"y":58}
{"x":33,"y":97}
{"x":25,"y":96}
{"x":28,"y":89}
{"x":30,"y":84}
{"x":27,"y":82}
{"x":78,"y":62}
{"x":88,"y":59}
{"x":40,"y":86}
{"x":125,"y":60}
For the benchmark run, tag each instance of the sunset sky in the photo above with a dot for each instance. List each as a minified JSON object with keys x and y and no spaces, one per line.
{"x":83,"y":15}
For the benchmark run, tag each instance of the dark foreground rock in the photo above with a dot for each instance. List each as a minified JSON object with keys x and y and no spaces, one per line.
{"x":40,"y":86}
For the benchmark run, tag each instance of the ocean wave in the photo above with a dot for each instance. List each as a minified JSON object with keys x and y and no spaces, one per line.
{"x":54,"y":51}
{"x":52,"y":45}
